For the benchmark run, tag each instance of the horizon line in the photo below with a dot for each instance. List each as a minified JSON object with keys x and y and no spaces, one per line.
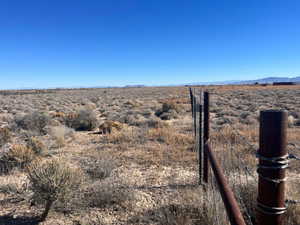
{"x":205,"y":83}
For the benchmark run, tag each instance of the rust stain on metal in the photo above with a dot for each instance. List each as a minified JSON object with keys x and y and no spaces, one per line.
{"x":273,"y":161}
{"x":232,"y":208}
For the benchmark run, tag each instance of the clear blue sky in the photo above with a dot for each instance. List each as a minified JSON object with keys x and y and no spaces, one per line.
{"x":51,"y":43}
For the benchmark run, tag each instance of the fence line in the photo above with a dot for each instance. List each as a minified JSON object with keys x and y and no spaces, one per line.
{"x":272,"y":155}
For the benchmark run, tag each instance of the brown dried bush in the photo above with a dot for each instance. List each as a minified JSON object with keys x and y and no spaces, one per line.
{"x":36,"y":145}
{"x":168,"y":136}
{"x":171,"y":105}
{"x":98,"y":168}
{"x":34,"y":122}
{"x":169,"y":110}
{"x":60,"y":134}
{"x":16,"y":156}
{"x":83,"y":120}
{"x":5,"y":135}
{"x":106,"y":193}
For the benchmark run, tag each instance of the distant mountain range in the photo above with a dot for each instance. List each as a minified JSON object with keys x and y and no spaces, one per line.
{"x":267,"y":80}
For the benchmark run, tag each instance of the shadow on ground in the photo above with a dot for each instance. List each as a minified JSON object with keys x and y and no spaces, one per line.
{"x":10,"y":220}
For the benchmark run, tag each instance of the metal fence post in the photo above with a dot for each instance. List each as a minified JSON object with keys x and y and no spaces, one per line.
{"x":206,"y":137}
{"x":273,"y":160}
{"x":195,"y":115}
{"x":200,"y":147}
{"x":191,"y":95}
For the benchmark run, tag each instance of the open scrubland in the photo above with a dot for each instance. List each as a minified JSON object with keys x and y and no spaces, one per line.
{"x":127,"y":155}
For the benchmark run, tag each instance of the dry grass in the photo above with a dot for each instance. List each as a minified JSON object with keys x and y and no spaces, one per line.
{"x":16,"y":156}
{"x":36,"y":145}
{"x":144,"y":173}
{"x":61,"y":134}
{"x":5,"y":136}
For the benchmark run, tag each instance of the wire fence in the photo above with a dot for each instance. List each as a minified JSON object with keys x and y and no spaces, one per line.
{"x":236,"y":159}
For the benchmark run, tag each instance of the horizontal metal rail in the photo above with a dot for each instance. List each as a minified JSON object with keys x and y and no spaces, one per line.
{"x":232,"y":208}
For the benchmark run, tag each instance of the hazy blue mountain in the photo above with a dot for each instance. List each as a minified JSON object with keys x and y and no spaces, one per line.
{"x":260,"y":81}
{"x":271,"y":80}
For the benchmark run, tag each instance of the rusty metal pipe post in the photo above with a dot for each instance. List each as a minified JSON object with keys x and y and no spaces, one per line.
{"x":206,"y":137}
{"x":232,"y":208}
{"x":273,"y":161}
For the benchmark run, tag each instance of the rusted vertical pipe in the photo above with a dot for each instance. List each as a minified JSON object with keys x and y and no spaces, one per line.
{"x":206,"y":137}
{"x":200,"y":147}
{"x":273,"y":160}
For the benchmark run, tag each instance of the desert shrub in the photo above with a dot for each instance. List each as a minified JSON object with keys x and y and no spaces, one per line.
{"x":90,"y":106}
{"x":56,"y":122}
{"x":172,"y":114}
{"x":83,"y":120}
{"x":95,"y":219}
{"x":133,"y":119}
{"x":16,"y":156}
{"x":52,"y":180}
{"x":226,"y":135}
{"x":168,"y":111}
{"x":224,"y":120}
{"x":125,"y":136}
{"x":98,"y":168}
{"x":147,"y":113}
{"x":155,"y":123}
{"x":171,"y":105}
{"x":34,"y":122}
{"x":105,"y":193}
{"x":36,"y":145}
{"x":244,"y":115}
{"x":15,"y":184}
{"x":128,"y":136}
{"x":191,"y":207}
{"x":168,"y":136}
{"x":175,"y":214}
{"x":60,"y":134}
{"x":5,"y":135}
{"x":132,"y":103}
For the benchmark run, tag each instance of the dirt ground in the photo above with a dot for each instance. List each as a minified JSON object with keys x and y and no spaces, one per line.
{"x":145,"y":170}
